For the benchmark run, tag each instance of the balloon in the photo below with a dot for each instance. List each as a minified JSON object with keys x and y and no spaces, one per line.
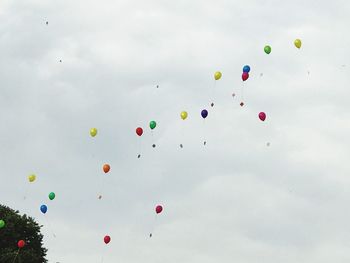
{"x":159,"y":209}
{"x":262,"y":116}
{"x":43,"y":209}
{"x":107,"y":239}
{"x":93,"y":132}
{"x":2,"y":223}
{"x":139,"y":131}
{"x":204,"y":114}
{"x":52,"y":195}
{"x":183,"y":115}
{"x":267,"y":49}
{"x":245,"y":76}
{"x":217,"y":75}
{"x":32,"y":178}
{"x":152,"y":124}
{"x":246,"y":68}
{"x":297,"y":43}
{"x":21,"y":244}
{"x":106,"y":168}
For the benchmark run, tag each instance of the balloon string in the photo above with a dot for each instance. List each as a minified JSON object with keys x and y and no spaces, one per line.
{"x":182,"y":131}
{"x":49,"y":225}
{"x":154,"y":225}
{"x":213,"y":92}
{"x":100,"y":191}
{"x":204,"y":132}
{"x":103,"y":255}
{"x":25,"y":192}
{"x":93,"y":159}
{"x":16,"y":255}
{"x":139,"y":146}
{"x":100,"y":188}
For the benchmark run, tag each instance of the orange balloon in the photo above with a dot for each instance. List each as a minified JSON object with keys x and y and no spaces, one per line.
{"x":106,"y":168}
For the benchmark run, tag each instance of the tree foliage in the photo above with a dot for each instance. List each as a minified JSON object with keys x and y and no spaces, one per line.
{"x":19,"y":227}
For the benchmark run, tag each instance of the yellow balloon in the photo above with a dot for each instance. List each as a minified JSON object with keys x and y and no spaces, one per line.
{"x":183,"y":115}
{"x":31,"y":178}
{"x":217,"y":75}
{"x":297,"y":43}
{"x":93,"y":132}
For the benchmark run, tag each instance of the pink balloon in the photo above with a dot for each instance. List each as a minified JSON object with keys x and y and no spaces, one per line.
{"x":159,"y":209}
{"x":262,"y":116}
{"x":245,"y":76}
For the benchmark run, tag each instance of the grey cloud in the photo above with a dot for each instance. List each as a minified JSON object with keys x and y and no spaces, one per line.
{"x":235,"y":199}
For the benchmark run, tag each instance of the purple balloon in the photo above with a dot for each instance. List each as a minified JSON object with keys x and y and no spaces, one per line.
{"x":204,"y":113}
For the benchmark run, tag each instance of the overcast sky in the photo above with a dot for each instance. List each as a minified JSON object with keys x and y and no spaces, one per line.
{"x":236,"y":199}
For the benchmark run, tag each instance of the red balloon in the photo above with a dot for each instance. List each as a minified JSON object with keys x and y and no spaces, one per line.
{"x":21,"y":244}
{"x":245,"y":76}
{"x":262,"y":116}
{"x":107,"y":239}
{"x":159,"y":209}
{"x":106,"y":168}
{"x":139,"y":131}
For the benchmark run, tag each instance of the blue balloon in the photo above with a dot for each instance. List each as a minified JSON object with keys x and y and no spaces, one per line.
{"x":204,"y":113}
{"x":246,"y":68}
{"x":43,"y":209}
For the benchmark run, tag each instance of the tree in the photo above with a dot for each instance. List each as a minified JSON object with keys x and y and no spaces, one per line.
{"x":19,"y":227}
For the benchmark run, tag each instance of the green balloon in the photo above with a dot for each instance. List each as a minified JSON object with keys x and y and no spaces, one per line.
{"x":52,"y":195}
{"x":152,"y":124}
{"x":267,"y":49}
{"x":2,"y":223}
